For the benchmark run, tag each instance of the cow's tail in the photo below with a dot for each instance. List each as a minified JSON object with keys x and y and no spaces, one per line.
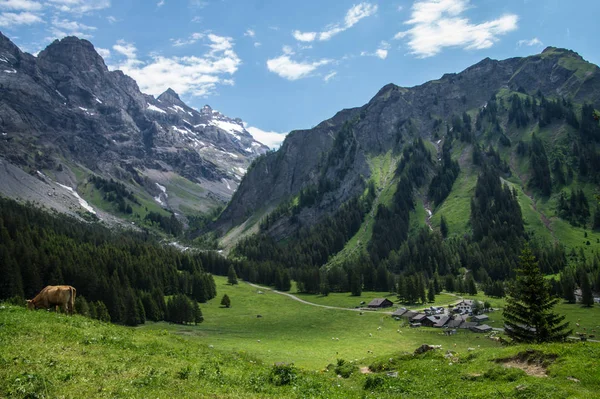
{"x":72,"y":299}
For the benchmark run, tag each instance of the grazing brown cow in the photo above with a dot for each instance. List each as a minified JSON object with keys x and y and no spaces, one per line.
{"x":54,"y":295}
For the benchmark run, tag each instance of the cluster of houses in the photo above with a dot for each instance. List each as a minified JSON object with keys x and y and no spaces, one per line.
{"x":437,"y":317}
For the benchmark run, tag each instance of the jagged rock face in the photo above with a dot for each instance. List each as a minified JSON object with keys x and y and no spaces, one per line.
{"x":395,"y":116}
{"x":67,"y":102}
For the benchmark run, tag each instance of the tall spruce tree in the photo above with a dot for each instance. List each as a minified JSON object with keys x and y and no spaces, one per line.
{"x":231,"y":276}
{"x":226,"y":301}
{"x":587,"y":297}
{"x":528,"y":315}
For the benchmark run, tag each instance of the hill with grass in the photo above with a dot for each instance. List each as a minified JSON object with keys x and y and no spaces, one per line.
{"x":448,"y":178}
{"x":288,"y":352}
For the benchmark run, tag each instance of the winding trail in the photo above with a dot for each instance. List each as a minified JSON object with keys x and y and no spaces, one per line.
{"x":295,"y":298}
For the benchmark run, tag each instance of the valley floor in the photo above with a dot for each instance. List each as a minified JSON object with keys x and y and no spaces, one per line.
{"x":232,"y":354}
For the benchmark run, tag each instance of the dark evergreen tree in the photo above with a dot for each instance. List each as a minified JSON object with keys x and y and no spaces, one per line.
{"x":587,"y":297}
{"x":596,"y":222}
{"x":102,"y":312}
{"x":538,"y":161}
{"x":567,"y":281}
{"x":225,"y":301}
{"x":528,"y":312}
{"x":471,"y":286}
{"x":198,"y":317}
{"x":231,"y":276}
{"x":431,"y":292}
{"x":443,"y":227}
{"x":355,"y":283}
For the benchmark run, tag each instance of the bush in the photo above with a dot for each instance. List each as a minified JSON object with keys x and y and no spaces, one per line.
{"x":373,"y":382}
{"x":282,"y":374}
{"x":499,"y":373}
{"x":344,"y":368}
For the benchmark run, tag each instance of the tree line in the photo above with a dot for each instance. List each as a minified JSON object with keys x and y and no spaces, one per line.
{"x":128,"y":272}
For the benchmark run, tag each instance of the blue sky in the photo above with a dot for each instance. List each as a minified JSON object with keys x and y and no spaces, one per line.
{"x":282,"y":65}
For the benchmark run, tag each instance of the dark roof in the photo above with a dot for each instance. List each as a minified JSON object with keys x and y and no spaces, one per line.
{"x":454,"y":323}
{"x":481,"y":317}
{"x":410,"y":314}
{"x":468,"y":324}
{"x":419,"y":317}
{"x":441,"y":321}
{"x":400,"y":312}
{"x":379,"y":301}
{"x":481,"y":328}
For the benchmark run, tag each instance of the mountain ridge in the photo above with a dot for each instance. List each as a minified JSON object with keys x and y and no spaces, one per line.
{"x":70,"y":109}
{"x":392,"y":118}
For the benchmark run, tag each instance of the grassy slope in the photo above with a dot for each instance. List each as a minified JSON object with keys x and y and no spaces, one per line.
{"x":47,"y":355}
{"x":290,"y":331}
{"x":383,"y":168}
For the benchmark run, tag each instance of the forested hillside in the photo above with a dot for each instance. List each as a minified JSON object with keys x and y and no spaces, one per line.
{"x":121,"y":276}
{"x":468,"y":181}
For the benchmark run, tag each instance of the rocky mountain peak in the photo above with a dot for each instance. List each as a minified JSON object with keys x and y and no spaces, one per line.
{"x":7,"y":46}
{"x":75,"y":53}
{"x":170,"y":96}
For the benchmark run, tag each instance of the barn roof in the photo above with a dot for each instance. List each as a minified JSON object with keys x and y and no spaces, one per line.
{"x":400,"y":312}
{"x":379,"y":301}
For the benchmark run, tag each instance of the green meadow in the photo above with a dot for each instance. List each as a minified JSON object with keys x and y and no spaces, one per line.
{"x":48,"y":355}
{"x":290,"y":331}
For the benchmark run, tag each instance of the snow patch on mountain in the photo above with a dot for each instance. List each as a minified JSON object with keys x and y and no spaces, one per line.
{"x":156,"y":109}
{"x":84,"y":204}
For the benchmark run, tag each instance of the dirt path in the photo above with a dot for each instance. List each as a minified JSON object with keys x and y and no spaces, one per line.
{"x":545,"y":220}
{"x":295,"y":298}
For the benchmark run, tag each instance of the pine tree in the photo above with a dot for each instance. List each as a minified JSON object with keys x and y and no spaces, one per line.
{"x":421,"y":289}
{"x":596,"y":221}
{"x":471,"y":286}
{"x":528,"y":312}
{"x":444,"y":227}
{"x":431,"y":292}
{"x":226,"y":301}
{"x":198,"y":318}
{"x":567,"y":281}
{"x":587,"y":297}
{"x":355,"y":283}
{"x":231,"y":276}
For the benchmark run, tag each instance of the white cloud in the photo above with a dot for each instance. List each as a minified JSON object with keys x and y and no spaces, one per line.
{"x":20,"y":5}
{"x":111,"y":19}
{"x":381,"y":52}
{"x":257,"y":44}
{"x":8,"y":19}
{"x":79,"y":6}
{"x":270,"y":139}
{"x":353,"y":16}
{"x":193,"y":38}
{"x":329,"y":76}
{"x":198,"y":76}
{"x":304,"y":36}
{"x":250,"y":33}
{"x":160,"y":3}
{"x":533,"y":42}
{"x":63,"y":27}
{"x":285,"y":67}
{"x":127,"y":49}
{"x":287,"y":50}
{"x":104,"y":52}
{"x":437,"y":24}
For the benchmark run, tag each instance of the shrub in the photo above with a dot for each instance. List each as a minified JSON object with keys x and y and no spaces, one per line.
{"x":282,"y":374}
{"x":344,"y":368}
